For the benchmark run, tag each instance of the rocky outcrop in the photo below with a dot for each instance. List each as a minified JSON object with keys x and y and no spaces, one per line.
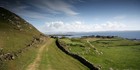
{"x":77,"y":57}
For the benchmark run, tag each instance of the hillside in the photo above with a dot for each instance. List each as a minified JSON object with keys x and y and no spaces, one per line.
{"x":14,"y":31}
{"x":16,"y":36}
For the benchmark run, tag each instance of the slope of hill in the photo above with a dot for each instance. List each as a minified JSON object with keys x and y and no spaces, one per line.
{"x":16,"y":36}
{"x":14,"y":31}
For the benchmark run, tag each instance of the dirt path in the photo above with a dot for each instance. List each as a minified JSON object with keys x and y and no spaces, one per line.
{"x":50,"y":57}
{"x":90,"y":44}
{"x":94,"y":48}
{"x":35,"y":64}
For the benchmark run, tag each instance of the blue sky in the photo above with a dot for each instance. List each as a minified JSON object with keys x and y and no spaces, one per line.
{"x":51,"y":16}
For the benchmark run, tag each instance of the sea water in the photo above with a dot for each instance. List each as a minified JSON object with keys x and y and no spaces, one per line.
{"x":123,"y":34}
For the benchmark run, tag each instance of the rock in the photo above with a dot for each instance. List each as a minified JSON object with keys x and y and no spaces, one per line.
{"x":15,"y":54}
{"x":16,"y":18}
{"x":101,"y":52}
{"x":26,"y":22}
{"x":9,"y":20}
{"x":12,"y":57}
{"x":30,"y":27}
{"x":99,"y":66}
{"x":18,"y":26}
{"x":111,"y":68}
{"x":12,"y":22}
{"x":20,"y":29}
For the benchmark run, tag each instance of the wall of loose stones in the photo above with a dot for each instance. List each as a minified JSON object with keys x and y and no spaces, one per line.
{"x":77,"y":57}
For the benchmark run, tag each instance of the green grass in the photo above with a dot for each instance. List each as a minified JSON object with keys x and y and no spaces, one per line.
{"x":113,"y":43}
{"x":54,"y":59}
{"x":117,"y":57}
{"x":116,"y":53}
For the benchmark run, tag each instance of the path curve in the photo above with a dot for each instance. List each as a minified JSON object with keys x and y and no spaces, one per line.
{"x":35,"y":64}
{"x":90,"y":44}
{"x":94,"y":48}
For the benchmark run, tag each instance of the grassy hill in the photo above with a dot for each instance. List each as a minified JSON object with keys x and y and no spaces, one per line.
{"x":15,"y":36}
{"x":15,"y":32}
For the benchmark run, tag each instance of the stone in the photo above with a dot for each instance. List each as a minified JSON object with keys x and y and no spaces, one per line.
{"x":99,"y":66}
{"x":16,"y":18}
{"x":111,"y":68}
{"x":9,"y":20}
{"x":20,"y":29}
{"x":30,"y":27}
{"x":101,"y":52}
{"x":12,"y":57}
{"x":18,"y":26}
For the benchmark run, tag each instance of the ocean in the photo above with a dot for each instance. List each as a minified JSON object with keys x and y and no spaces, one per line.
{"x":123,"y":34}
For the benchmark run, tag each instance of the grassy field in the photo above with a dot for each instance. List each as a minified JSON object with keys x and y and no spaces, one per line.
{"x":54,"y":59}
{"x":115,"y":53}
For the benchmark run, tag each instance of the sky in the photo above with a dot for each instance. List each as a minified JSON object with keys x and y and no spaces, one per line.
{"x":54,"y":16}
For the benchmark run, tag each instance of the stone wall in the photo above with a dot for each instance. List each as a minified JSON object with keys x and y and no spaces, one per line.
{"x":77,"y":57}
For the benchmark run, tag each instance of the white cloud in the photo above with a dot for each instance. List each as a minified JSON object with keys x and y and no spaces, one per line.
{"x":59,"y":5}
{"x":77,"y":26}
{"x":55,"y":6}
{"x":39,"y":9}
